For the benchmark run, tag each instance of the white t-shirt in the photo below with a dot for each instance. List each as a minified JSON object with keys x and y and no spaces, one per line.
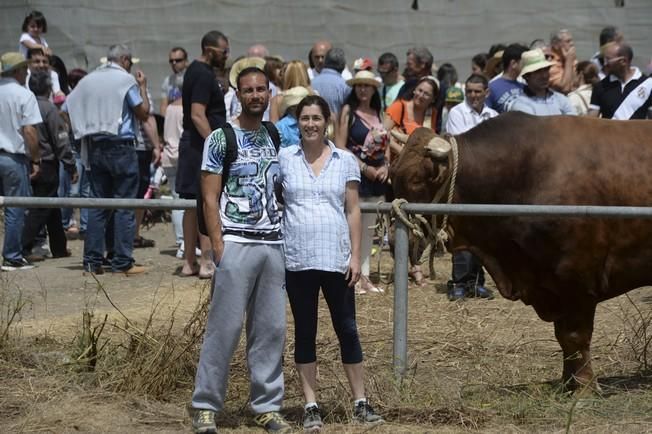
{"x":18,"y":108}
{"x":27,"y":37}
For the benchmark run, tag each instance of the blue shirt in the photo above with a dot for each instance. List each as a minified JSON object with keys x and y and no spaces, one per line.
{"x":331,"y":86}
{"x":502,"y":93}
{"x":554,"y":103}
{"x":288,"y":128}
{"x":315,"y":228}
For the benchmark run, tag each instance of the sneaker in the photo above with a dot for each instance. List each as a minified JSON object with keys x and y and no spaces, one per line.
{"x":312,"y":419}
{"x":481,"y":292}
{"x":43,"y":251}
{"x":455,"y":292}
{"x":273,"y":422}
{"x":203,"y":422}
{"x":180,"y":252}
{"x":134,"y":269}
{"x":142,"y":242}
{"x":364,"y":413}
{"x":16,"y":264}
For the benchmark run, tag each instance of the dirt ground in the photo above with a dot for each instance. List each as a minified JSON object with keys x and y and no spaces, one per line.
{"x":474,"y":366}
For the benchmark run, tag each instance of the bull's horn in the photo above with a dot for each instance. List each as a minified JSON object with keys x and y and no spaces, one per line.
{"x":401,"y":137}
{"x":438,"y":148}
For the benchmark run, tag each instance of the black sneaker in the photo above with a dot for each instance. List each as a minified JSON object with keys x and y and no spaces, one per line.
{"x":312,"y":419}
{"x":16,"y":264}
{"x":98,"y":270}
{"x":203,"y":422}
{"x":480,"y":292}
{"x":364,"y":413}
{"x":273,"y":422}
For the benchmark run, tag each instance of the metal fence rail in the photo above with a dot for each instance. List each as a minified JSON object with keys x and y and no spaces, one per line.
{"x":401,"y":238}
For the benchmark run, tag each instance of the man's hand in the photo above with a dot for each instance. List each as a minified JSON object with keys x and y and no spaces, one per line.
{"x":141,"y":79}
{"x":36,"y":170}
{"x":570,"y":54}
{"x":218,"y":252}
{"x":382,"y":173}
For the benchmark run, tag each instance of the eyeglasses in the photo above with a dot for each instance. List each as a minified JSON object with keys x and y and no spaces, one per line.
{"x":224,"y":51}
{"x":172,"y":61}
{"x":611,"y":60}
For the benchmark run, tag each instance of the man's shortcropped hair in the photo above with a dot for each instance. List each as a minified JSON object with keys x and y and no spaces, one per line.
{"x":38,"y":18}
{"x":251,"y":70}
{"x":423,"y":56}
{"x":35,"y":52}
{"x":388,"y":58}
{"x":512,"y":52}
{"x":211,"y":39}
{"x":183,"y":50}
{"x":335,"y":59}
{"x":40,"y":83}
{"x":626,"y":51}
{"x":478,"y":78}
{"x":608,"y":34}
{"x":117,"y":51}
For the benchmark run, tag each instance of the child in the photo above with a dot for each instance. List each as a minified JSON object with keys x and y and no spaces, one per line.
{"x":33,"y":26}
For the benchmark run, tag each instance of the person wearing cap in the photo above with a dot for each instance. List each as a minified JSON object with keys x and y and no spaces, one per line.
{"x":361,"y":131}
{"x":19,"y":152}
{"x":288,"y":127}
{"x":392,"y":79}
{"x":104,"y":109}
{"x":504,"y":90}
{"x":454,"y":96}
{"x":538,"y":99}
{"x":467,"y":274}
{"x":203,"y":112}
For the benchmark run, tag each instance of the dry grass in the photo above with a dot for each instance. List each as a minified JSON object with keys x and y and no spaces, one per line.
{"x":488,"y":366}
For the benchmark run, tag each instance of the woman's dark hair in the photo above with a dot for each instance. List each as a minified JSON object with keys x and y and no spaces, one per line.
{"x":272,"y":65}
{"x":435,"y":89}
{"x":447,"y":75}
{"x":74,"y":76}
{"x":353,"y":102}
{"x":57,"y":64}
{"x":315,"y":100}
{"x":480,"y":59}
{"x":589,"y":71}
{"x":38,"y":18}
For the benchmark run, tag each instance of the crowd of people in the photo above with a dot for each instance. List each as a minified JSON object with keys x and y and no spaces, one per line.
{"x":242,"y":136}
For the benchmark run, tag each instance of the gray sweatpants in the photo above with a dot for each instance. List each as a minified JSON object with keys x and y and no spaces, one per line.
{"x":248,"y":282}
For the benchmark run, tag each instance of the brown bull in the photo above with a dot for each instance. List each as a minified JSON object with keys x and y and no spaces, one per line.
{"x":563,"y":267}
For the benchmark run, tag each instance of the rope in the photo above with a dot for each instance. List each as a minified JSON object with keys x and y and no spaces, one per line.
{"x":442,"y":234}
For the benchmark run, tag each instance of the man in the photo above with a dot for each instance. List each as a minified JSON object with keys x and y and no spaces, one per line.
{"x":564,"y":62}
{"x":330,"y":84}
{"x":103,"y":110}
{"x":55,"y":147}
{"x":504,"y":90}
{"x":317,"y":57}
{"x":418,"y":64}
{"x":39,"y":61}
{"x":258,"y":50}
{"x":171,"y":87}
{"x":203,"y":112}
{"x":243,"y":223}
{"x":172,"y":110}
{"x":468,"y":276}
{"x":392,"y":79}
{"x":538,"y":99}
{"x":607,"y":35}
{"x":19,"y":152}
{"x":625,"y":93}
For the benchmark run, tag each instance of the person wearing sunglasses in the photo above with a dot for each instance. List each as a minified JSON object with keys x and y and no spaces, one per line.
{"x":625,"y":93}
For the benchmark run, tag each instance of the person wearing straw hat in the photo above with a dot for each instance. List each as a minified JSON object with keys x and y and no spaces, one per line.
{"x":361,"y":131}
{"x":19,"y":114}
{"x":288,"y":127}
{"x":538,"y":99}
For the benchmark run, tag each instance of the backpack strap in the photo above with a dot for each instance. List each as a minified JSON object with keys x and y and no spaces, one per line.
{"x":230,"y":154}
{"x":273,"y":133}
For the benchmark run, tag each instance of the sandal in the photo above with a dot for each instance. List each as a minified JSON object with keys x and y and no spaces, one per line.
{"x":141,"y":242}
{"x":416,"y":275}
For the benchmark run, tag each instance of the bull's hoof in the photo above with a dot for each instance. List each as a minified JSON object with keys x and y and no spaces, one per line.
{"x":582,"y":387}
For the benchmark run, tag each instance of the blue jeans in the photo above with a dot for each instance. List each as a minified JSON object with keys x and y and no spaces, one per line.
{"x":82,"y":188}
{"x":14,"y":181}
{"x":114,"y":174}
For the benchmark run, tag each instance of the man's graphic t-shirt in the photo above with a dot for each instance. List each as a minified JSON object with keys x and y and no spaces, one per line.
{"x":248,"y":207}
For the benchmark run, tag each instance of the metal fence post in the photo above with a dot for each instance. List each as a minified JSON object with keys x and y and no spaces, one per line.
{"x":400,"y":299}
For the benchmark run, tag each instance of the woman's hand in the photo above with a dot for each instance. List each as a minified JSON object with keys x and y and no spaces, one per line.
{"x":382,"y":173}
{"x":353,"y":274}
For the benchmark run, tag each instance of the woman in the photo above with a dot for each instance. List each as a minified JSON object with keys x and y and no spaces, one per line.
{"x":293,"y":74}
{"x":587,"y":77}
{"x":362,"y":132}
{"x":321,"y":226}
{"x":418,"y":110}
{"x":405,"y":116}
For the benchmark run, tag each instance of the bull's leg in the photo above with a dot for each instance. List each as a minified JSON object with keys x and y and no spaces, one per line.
{"x":573,"y":332}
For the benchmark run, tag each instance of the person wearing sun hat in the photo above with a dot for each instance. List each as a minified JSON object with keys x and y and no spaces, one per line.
{"x":19,"y":113}
{"x":538,"y":99}
{"x":361,"y":131}
{"x":288,"y":126}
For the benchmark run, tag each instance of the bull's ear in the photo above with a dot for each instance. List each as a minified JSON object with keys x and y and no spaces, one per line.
{"x":438,"y":148}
